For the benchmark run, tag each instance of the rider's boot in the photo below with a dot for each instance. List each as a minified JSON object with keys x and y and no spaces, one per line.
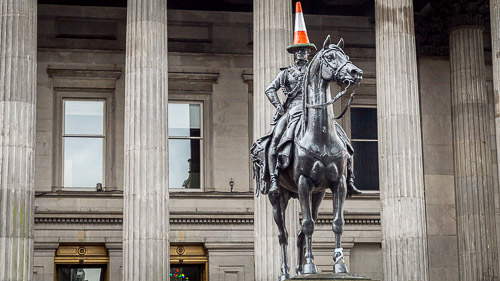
{"x":351,"y":188}
{"x":273,"y":167}
{"x":274,"y":189}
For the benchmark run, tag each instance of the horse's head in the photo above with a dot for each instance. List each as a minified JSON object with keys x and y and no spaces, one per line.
{"x":336,"y":64}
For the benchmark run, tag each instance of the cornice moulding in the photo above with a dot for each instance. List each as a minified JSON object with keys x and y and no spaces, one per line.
{"x":84,"y":73}
{"x":188,"y":220}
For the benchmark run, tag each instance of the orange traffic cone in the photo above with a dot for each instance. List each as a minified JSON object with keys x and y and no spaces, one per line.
{"x":300,"y":39}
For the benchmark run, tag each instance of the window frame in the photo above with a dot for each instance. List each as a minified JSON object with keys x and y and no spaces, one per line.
{"x":103,"y":136}
{"x":202,"y":144}
{"x":107,"y":96}
{"x":207,"y":155}
{"x":362,"y":102}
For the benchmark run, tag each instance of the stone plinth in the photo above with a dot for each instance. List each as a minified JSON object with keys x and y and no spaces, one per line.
{"x":331,"y":276}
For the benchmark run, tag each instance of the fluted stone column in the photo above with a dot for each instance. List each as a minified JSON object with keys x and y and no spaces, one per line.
{"x":474,"y":190}
{"x":404,"y":242}
{"x":146,"y":218}
{"x":18,"y":60}
{"x":272,"y":34}
{"x":495,"y":42}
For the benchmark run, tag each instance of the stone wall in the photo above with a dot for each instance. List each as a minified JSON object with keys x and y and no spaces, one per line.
{"x":437,"y":141}
{"x":435,"y":91}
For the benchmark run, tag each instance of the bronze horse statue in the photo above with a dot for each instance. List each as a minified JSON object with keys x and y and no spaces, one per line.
{"x":318,"y":159}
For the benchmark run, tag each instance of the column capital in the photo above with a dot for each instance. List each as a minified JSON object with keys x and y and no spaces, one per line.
{"x":430,"y":37}
{"x":432,"y":28}
{"x":463,"y":12}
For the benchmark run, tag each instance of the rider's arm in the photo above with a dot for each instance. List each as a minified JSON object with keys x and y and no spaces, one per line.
{"x":272,"y":92}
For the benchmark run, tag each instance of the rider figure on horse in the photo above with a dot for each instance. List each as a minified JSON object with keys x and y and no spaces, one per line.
{"x":290,"y":81}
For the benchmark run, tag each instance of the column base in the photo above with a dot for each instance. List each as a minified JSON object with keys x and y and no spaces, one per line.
{"x":329,"y":276}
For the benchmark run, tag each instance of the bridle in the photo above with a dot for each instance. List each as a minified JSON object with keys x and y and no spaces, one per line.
{"x":335,"y":72}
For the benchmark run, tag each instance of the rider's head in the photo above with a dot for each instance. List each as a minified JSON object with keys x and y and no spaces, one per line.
{"x":301,"y":54}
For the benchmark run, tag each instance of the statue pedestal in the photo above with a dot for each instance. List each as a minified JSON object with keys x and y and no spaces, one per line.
{"x":330,"y":276}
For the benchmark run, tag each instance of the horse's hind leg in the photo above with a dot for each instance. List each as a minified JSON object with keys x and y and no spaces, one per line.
{"x":279,"y":204}
{"x":305,"y":198}
{"x":316,"y":201}
{"x":339,"y":194}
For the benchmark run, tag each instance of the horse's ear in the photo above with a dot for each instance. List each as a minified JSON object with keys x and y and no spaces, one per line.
{"x":327,"y":42}
{"x":341,"y":43}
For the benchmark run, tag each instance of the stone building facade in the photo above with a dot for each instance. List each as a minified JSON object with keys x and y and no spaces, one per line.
{"x":431,"y":203}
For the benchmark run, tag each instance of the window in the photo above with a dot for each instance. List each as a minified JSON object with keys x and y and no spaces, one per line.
{"x":85,"y":151}
{"x":185,"y":131}
{"x":364,"y":141}
{"x":83,"y":141}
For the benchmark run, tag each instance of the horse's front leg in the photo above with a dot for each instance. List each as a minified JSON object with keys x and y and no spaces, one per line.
{"x":279,"y":204}
{"x":305,"y":197}
{"x":339,"y":194}
{"x":300,"y":251}
{"x":316,"y":201}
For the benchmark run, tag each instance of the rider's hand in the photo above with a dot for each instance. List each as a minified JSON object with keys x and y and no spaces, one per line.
{"x":280,"y":110}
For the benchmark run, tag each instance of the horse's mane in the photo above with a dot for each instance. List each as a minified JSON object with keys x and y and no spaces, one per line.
{"x":312,"y":68}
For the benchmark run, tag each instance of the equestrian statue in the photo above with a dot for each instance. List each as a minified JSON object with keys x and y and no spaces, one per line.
{"x":307,"y":152}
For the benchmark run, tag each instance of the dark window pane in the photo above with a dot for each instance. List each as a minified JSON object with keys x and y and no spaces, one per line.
{"x":364,"y":123}
{"x":366,"y":165}
{"x":186,"y":272}
{"x":184,"y":163}
{"x":184,"y":120}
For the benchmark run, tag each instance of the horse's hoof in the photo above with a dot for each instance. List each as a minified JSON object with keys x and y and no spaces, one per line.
{"x":340,"y":268}
{"x":298,"y":270}
{"x":284,"y":277}
{"x":310,"y":268}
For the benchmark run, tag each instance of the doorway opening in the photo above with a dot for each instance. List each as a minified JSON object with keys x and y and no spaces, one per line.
{"x":81,"y":263}
{"x":188,"y":263}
